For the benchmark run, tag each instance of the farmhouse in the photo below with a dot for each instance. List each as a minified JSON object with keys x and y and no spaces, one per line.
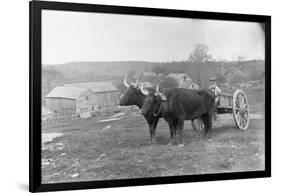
{"x":184,"y":80}
{"x":188,"y":84}
{"x":105,"y":93}
{"x":70,"y":100}
{"x":179,"y":76}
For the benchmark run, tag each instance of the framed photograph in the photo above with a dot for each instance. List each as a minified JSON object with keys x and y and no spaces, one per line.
{"x":129,"y":96}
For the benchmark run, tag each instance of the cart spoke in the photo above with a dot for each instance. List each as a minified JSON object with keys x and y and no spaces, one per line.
{"x":238,"y":119}
{"x":242,"y":102}
{"x":237,"y":109}
{"x":245,"y":104}
{"x":246,"y":116}
{"x":244,"y":119}
{"x":241,"y":120}
{"x":237,"y":103}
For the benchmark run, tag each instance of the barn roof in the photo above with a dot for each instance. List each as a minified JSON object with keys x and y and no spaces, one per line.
{"x":95,"y":87}
{"x":67,"y":92}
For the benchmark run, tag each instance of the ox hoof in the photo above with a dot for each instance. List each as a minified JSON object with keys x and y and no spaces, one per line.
{"x":181,"y":145}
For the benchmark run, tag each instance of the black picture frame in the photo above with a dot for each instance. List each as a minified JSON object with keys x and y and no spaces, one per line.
{"x":35,"y":8}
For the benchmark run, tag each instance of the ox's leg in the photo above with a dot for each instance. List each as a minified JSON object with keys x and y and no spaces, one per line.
{"x":151,"y":133}
{"x":175,"y":124}
{"x":153,"y":129}
{"x":180,"y":124}
{"x":207,"y":120}
{"x":172,"y":128}
{"x":150,"y":125}
{"x":210,"y":122}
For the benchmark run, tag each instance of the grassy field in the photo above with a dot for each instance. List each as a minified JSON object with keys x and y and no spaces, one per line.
{"x":91,"y":150}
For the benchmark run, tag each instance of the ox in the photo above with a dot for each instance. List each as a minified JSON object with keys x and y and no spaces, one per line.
{"x":177,"y":105}
{"x":135,"y":95}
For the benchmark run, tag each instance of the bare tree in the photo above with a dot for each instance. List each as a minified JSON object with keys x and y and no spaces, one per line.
{"x":199,"y":55}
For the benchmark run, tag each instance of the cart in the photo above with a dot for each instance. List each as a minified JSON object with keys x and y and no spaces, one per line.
{"x":237,"y":104}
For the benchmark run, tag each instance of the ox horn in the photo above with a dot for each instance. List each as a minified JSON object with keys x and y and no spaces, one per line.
{"x":157,"y":87}
{"x":143,"y":90}
{"x":137,"y":82}
{"x":125,"y":81}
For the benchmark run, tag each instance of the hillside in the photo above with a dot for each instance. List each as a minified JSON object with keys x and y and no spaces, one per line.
{"x":226,"y":72}
{"x":95,"y":71}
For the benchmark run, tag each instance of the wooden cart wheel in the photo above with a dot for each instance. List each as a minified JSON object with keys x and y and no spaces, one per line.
{"x":197,"y":125}
{"x":240,"y":109}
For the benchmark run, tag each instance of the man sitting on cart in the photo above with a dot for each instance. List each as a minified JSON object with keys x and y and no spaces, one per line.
{"x":216,"y":90}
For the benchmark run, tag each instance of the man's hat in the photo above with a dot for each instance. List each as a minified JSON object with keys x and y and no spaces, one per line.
{"x":212,"y":78}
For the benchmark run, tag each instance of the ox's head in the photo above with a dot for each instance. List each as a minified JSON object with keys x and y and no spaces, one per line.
{"x":132,"y":95}
{"x":152,"y":102}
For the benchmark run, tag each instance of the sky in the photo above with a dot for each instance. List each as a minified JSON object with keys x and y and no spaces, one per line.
{"x":78,"y":36}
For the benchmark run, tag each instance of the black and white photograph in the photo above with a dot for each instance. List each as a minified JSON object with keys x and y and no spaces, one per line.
{"x":135,"y":96}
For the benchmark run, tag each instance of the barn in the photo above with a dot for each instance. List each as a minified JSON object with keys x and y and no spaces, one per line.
{"x":70,"y":100}
{"x":106,"y":94}
{"x":82,"y":98}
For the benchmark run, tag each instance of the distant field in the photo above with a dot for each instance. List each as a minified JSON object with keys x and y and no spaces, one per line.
{"x":91,"y":150}
{"x":256,"y":99}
